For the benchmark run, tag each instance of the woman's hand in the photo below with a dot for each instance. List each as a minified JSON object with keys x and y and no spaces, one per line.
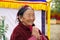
{"x":35,"y":32}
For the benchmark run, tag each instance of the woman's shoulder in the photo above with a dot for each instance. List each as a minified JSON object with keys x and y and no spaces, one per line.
{"x":17,"y":29}
{"x":17,"y":34}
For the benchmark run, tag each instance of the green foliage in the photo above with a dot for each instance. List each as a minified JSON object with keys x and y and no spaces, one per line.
{"x":3,"y":29}
{"x":55,"y":6}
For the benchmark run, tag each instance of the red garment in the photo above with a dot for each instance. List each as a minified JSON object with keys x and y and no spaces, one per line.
{"x":22,"y":32}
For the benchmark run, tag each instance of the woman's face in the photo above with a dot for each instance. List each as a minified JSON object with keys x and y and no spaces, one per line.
{"x":28,"y":17}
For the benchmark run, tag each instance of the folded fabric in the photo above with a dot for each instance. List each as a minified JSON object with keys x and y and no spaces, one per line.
{"x":32,"y":38}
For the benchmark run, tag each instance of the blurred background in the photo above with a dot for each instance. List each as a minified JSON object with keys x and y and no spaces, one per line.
{"x":55,"y":19}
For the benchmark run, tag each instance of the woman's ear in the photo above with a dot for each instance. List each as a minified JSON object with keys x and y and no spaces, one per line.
{"x":20,"y":18}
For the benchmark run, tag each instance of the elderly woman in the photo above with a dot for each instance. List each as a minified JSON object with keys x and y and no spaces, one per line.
{"x":26,"y":30}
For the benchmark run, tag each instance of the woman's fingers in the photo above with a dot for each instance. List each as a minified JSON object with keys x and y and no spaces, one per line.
{"x":35,"y":32}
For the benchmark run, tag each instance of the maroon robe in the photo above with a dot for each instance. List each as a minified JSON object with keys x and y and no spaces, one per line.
{"x":22,"y":32}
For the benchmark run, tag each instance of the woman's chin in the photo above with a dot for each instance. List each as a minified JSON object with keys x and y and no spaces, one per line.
{"x":30,"y":23}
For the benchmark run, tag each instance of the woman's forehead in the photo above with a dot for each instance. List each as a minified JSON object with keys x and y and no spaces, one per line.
{"x":25,"y":9}
{"x":29,"y":11}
